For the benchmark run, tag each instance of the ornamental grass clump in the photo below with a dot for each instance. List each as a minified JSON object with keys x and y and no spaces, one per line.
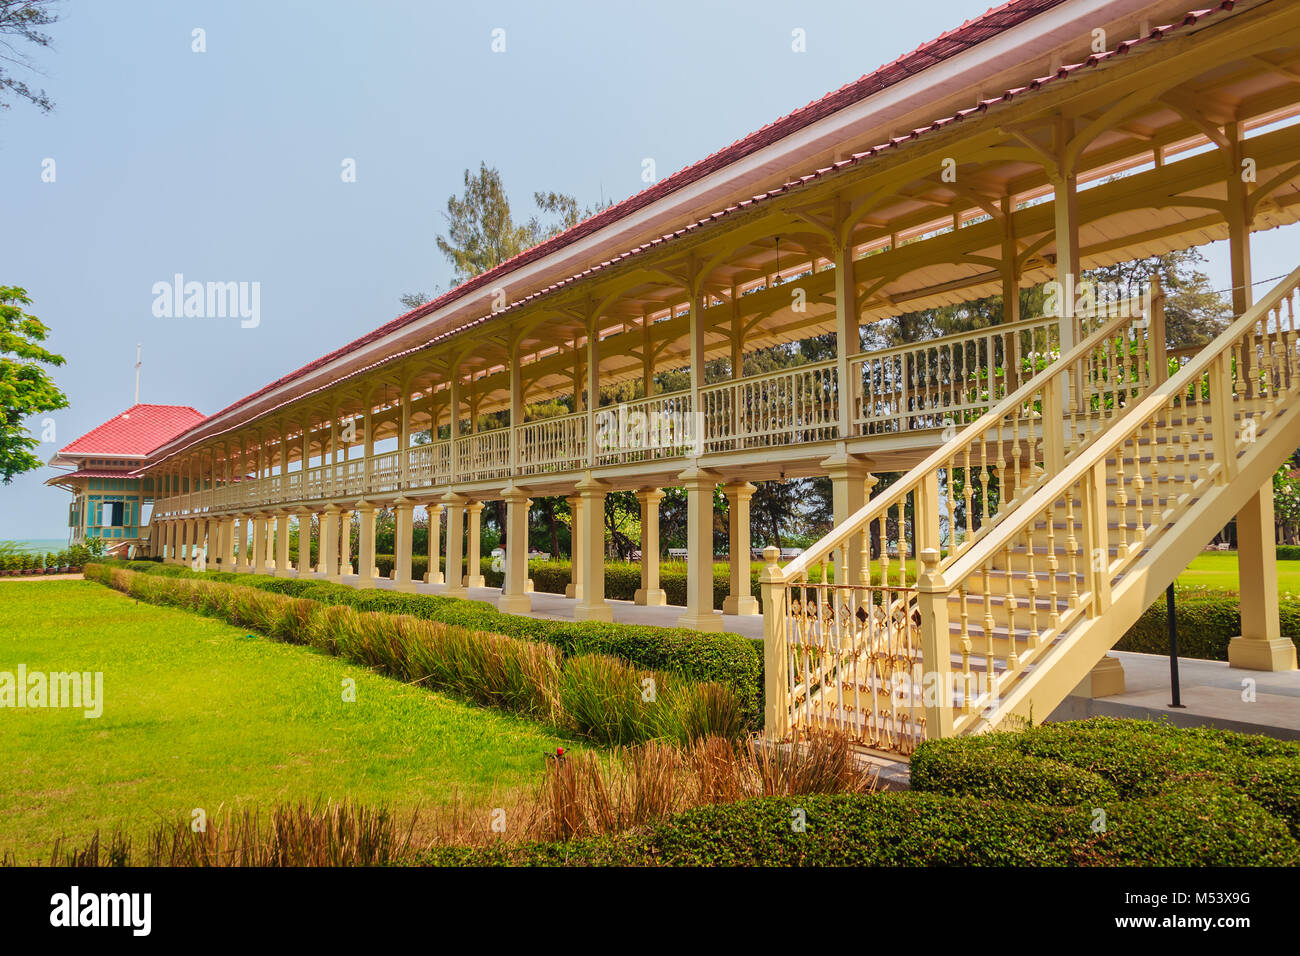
{"x":613,"y":703}
{"x":320,"y":834}
{"x":594,"y":695}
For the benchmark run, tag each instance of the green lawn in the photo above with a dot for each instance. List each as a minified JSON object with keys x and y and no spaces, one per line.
{"x":197,"y":714}
{"x":1217,"y":570}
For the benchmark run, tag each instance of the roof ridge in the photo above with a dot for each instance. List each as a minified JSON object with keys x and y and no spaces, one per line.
{"x":663,"y":187}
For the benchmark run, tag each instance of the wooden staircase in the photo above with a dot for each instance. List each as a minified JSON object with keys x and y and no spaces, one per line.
{"x":1116,"y":475}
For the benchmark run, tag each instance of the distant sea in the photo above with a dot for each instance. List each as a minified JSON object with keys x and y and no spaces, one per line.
{"x":41,"y":545}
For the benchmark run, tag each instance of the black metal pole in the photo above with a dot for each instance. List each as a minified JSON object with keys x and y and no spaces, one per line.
{"x":1174,"y":689}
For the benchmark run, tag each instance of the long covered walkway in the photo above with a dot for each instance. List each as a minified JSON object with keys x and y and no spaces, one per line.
{"x":1005,"y":163}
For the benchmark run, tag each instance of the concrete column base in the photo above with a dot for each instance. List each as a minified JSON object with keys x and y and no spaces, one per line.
{"x":515,"y":604}
{"x":747,"y":605}
{"x":594,"y":612}
{"x":1257,"y":654}
{"x":1106,"y":679}
{"x":367,"y":581}
{"x":456,"y":592}
{"x":432,"y":577}
{"x":655,"y":597}
{"x":573,"y":591}
{"x":474,"y":581}
{"x":709,"y":621}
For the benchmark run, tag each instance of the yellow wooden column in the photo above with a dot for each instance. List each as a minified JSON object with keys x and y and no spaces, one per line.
{"x":304,"y":543}
{"x":228,"y":543}
{"x":403,"y":513}
{"x":514,"y":597}
{"x":473,"y":537}
{"x":259,"y":543}
{"x":1065,"y":208}
{"x":776,"y":652}
{"x":345,"y":541}
{"x":282,"y":565}
{"x":434,"y":574}
{"x":847,"y":335}
{"x":699,"y":616}
{"x":849,"y":476}
{"x":455,"y":544}
{"x":366,"y":544}
{"x":592,"y":606}
{"x":1260,"y":646}
{"x":741,"y":599}
{"x":243,"y":561}
{"x":329,"y":543}
{"x":650,"y":593}
{"x":574,"y":588}
{"x":199,"y":557}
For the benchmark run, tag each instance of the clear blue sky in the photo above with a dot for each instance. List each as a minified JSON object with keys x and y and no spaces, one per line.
{"x":225,"y":165}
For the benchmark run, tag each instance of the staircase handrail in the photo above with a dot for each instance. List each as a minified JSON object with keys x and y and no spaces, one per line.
{"x":861,"y":520}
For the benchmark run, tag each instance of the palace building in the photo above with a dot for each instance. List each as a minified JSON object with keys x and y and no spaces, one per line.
{"x":1058,"y":470}
{"x":109,"y":497}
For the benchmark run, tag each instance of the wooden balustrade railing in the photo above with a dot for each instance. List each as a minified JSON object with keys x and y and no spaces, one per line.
{"x":948,"y":381}
{"x":940,"y":383}
{"x":790,"y":407}
{"x":552,"y":445}
{"x":1075,"y":539}
{"x":849,"y":599}
{"x":483,"y":455}
{"x":648,"y":429}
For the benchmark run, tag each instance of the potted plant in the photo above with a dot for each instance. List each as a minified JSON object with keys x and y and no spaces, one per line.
{"x":78,"y":555}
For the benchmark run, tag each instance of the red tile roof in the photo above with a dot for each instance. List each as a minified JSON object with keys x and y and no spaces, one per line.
{"x":987,"y":25}
{"x":137,"y":431}
{"x":972,"y":32}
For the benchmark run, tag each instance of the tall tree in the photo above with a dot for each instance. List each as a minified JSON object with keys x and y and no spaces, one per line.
{"x":25,"y":387}
{"x":1194,"y":313}
{"x":481,"y":229}
{"x":21,"y":21}
{"x":482,"y":233}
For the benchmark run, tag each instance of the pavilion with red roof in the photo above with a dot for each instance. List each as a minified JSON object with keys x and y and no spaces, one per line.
{"x":109,"y":497}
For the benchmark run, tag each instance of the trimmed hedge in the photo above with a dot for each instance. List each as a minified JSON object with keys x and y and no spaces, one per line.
{"x":1171,"y":796}
{"x":1207,"y":621}
{"x":1288,"y":552}
{"x":1088,"y":762}
{"x":927,"y":829}
{"x":728,"y":659}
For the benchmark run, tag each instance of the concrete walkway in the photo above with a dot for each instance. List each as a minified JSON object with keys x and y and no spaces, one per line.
{"x":1213,"y":695}
{"x":46,"y":577}
{"x":557,"y":607}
